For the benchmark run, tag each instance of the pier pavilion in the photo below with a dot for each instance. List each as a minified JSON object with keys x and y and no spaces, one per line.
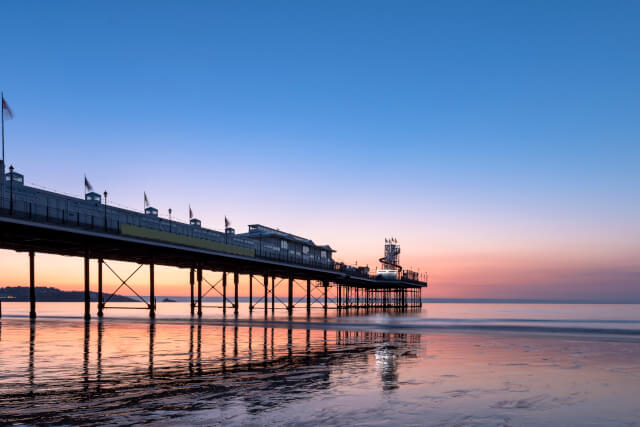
{"x":35,"y":220}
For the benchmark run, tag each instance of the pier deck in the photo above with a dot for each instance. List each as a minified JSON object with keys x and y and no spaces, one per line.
{"x":39,"y":221}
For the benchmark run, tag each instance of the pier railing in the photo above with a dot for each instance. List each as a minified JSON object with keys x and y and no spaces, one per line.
{"x":111,"y":224}
{"x":108,"y":220}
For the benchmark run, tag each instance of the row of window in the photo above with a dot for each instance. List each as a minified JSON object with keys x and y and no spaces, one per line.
{"x":305,"y":249}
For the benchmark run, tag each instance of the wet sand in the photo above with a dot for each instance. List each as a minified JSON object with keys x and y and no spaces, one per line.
{"x":196,"y":373}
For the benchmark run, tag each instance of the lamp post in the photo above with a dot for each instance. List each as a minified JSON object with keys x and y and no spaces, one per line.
{"x":105,"y":210}
{"x":11,"y":190}
{"x":170,"y":220}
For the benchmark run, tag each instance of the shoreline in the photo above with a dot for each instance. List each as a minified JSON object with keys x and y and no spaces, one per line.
{"x":595,"y":334}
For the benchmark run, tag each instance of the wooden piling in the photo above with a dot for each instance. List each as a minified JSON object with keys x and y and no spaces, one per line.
{"x":100,"y":294}
{"x":191,"y":282}
{"x":87,"y":296}
{"x":199,"y":291}
{"x":235,"y":293}
{"x":152,"y":292}
{"x":32,"y":285}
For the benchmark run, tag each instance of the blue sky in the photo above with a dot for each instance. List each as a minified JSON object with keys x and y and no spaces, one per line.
{"x":467,"y":129}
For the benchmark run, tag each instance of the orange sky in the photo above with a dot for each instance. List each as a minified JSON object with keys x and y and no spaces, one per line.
{"x":451,"y":276}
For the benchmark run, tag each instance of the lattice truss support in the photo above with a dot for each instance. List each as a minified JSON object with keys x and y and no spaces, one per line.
{"x":124,"y":283}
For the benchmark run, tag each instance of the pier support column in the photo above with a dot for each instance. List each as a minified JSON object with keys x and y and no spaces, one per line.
{"x":100,"y":295}
{"x":339,"y":297}
{"x":325,"y":284}
{"x":32,"y":285}
{"x":191,"y":281}
{"x":251,"y":293}
{"x":344,"y":299}
{"x":87,"y":296}
{"x":152,"y":292}
{"x":235,"y":293}
{"x":290,"y":302}
{"x":347,"y":296}
{"x":224,"y":292}
{"x":308,"y":297}
{"x":199,"y":291}
{"x":266,"y":293}
{"x":273,"y":294}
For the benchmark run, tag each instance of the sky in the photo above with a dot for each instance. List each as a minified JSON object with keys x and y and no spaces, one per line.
{"x":497,"y":141}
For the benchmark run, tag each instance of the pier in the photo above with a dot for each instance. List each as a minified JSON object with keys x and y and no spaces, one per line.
{"x":276,"y":263}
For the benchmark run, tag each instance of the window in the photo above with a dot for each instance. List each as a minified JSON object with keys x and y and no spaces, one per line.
{"x":323,"y":254}
{"x":305,"y":250}
{"x":284,"y":244}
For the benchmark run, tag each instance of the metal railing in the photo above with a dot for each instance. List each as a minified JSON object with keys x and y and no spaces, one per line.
{"x":97,"y":218}
{"x":94,"y":220}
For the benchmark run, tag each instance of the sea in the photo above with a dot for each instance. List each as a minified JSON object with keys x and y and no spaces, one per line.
{"x":442,"y":364}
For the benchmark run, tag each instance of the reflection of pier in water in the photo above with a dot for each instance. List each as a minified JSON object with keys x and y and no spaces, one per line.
{"x":261,"y":366}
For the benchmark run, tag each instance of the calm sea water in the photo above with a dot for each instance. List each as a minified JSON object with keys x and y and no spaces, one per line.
{"x":447,"y":364}
{"x":518,"y":317}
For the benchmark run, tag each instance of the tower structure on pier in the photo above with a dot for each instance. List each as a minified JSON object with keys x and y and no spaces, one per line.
{"x":391,"y":268}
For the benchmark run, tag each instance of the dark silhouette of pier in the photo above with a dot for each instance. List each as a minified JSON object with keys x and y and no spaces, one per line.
{"x":35,"y":221}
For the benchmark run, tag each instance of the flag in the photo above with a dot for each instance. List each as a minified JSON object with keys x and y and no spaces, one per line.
{"x":226,"y":222}
{"x":190,"y":212}
{"x":6,"y":110}
{"x":146,"y":201}
{"x":87,"y":186}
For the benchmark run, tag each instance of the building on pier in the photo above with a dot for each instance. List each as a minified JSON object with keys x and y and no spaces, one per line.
{"x":275,"y":243}
{"x":94,"y":213}
{"x":37,"y":220}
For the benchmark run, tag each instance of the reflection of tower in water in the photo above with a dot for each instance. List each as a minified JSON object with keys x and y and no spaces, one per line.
{"x":387,"y":364}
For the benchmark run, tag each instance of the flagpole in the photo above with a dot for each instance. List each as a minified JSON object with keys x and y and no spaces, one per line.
{"x":2,"y":132}
{"x":2,"y":108}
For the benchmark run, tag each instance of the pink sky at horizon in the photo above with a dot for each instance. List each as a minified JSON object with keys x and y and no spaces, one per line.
{"x":450,"y":276}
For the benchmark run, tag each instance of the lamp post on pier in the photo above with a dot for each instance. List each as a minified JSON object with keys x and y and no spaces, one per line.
{"x":170,"y":220}
{"x":11,"y":190}
{"x":105,"y":210}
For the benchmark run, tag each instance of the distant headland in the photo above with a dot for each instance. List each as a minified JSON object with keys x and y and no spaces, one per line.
{"x":49,"y":294}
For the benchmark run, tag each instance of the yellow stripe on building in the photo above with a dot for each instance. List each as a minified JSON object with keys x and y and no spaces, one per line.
{"x":162,"y":236}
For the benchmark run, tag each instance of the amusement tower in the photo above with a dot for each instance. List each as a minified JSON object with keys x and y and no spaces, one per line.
{"x":391,"y":268}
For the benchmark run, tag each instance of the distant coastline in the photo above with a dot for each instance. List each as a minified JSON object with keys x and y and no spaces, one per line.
{"x":524,"y":301}
{"x":50,"y":294}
